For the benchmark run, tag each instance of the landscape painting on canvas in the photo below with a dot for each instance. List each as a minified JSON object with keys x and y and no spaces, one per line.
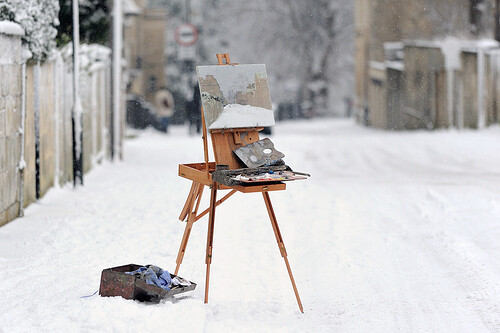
{"x":235,"y":96}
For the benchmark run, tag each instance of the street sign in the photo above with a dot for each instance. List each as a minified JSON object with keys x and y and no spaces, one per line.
{"x":186,"y":34}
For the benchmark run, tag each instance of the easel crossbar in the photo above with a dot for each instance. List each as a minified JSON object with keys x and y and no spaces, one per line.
{"x":224,"y":198}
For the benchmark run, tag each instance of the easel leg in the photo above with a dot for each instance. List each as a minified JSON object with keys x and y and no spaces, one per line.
{"x":210,"y":236}
{"x":194,"y":196}
{"x":281,"y":245}
{"x":189,"y":202}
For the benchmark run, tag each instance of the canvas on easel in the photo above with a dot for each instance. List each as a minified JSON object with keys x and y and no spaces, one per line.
{"x":236,"y":105}
{"x":235,"y":96}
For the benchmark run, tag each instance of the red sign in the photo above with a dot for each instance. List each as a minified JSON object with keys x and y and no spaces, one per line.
{"x":186,"y":34}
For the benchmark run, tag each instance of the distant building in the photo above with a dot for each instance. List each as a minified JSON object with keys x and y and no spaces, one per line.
{"x":144,"y":32}
{"x":426,"y":63}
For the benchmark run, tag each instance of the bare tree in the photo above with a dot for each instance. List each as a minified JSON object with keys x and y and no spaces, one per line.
{"x":306,"y":45}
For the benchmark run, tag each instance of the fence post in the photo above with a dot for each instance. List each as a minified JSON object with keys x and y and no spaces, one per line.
{"x":36,"y":81}
{"x":22,"y":163}
{"x":57,"y":119}
{"x":117,"y":78}
{"x":77,"y":109}
{"x":94,"y":110}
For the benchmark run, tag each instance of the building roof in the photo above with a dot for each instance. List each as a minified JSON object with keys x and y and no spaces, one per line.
{"x":131,"y":8}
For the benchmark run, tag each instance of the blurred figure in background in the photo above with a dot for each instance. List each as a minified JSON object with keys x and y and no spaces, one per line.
{"x":348,"y":106}
{"x":164,"y":103}
{"x":194,"y":111}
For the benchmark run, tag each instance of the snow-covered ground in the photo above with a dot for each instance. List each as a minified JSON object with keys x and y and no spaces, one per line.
{"x":394,"y":231}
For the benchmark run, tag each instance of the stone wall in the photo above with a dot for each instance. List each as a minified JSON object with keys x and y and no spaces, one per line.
{"x":493,"y":84}
{"x":435,"y":95}
{"x":480,"y":88}
{"x":151,"y":31}
{"x":377,"y":97}
{"x":395,"y":99}
{"x":424,"y":68}
{"x":469,"y":88}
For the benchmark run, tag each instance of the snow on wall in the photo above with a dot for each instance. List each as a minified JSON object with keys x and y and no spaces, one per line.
{"x":11,"y":28}
{"x":451,"y":48}
{"x":38,"y":18}
{"x":11,"y":43}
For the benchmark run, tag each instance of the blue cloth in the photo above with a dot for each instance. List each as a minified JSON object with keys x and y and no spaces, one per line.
{"x":153,"y":275}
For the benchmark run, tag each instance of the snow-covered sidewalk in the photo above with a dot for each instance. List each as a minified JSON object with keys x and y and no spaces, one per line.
{"x":394,"y":231}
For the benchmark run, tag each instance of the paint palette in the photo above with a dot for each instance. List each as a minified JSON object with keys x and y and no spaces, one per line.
{"x":259,"y":153}
{"x":256,"y":176}
{"x":265,"y":177}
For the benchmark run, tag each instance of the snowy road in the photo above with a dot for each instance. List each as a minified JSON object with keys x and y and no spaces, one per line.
{"x":394,"y":231}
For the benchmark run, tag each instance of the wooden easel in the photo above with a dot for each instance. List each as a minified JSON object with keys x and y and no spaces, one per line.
{"x":223,"y":142}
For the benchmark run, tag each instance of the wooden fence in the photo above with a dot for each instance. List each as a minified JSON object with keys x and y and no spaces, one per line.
{"x":36,"y":106}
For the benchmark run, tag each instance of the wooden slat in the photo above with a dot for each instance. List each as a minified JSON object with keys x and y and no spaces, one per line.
{"x":205,"y":142}
{"x":216,"y":204}
{"x":210,"y":237}
{"x":189,"y":200}
{"x":225,"y":142}
{"x":194,"y":173}
{"x":281,"y":246}
{"x":260,"y":188}
{"x":242,"y":129}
